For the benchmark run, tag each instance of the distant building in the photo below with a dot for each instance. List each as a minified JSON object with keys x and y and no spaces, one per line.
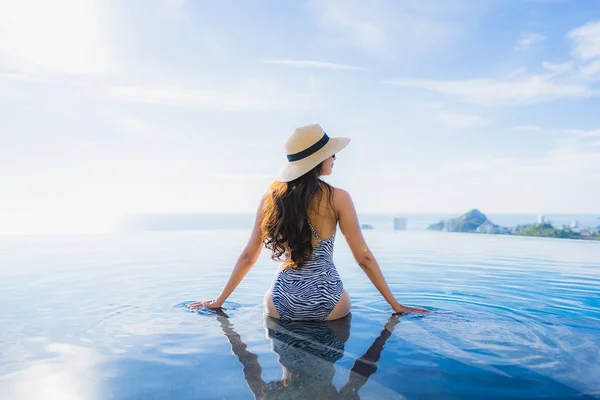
{"x":505,"y":229}
{"x":486,"y":227}
{"x":542,"y":219}
{"x":574,"y":224}
{"x":518,"y":228}
{"x":366,"y":226}
{"x":399,"y":224}
{"x":448,"y":226}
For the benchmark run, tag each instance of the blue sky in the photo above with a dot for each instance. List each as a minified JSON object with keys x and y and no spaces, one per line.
{"x":116,"y":107}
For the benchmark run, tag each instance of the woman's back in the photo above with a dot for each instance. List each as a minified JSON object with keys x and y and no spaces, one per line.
{"x":322,"y":216}
{"x":312,"y":290}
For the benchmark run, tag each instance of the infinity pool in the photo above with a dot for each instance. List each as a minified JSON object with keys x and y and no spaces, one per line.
{"x":100,"y":317}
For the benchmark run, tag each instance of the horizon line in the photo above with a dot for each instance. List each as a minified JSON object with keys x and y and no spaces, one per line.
{"x":371,"y":212}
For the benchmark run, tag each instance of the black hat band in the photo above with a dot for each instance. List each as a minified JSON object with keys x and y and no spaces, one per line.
{"x":309,"y":151}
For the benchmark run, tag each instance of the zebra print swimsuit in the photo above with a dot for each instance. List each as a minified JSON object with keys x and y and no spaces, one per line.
{"x":311,"y":292}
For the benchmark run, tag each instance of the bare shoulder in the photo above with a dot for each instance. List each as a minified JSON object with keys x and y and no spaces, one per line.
{"x":266,"y":196}
{"x":341,"y":197}
{"x":346,"y":214}
{"x":341,"y":201}
{"x":263,"y":199}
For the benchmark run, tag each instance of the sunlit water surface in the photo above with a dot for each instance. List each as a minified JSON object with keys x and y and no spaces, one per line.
{"x":97,"y":317}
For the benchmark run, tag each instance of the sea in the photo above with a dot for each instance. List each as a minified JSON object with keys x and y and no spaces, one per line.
{"x":102,"y":316}
{"x":379,"y":221}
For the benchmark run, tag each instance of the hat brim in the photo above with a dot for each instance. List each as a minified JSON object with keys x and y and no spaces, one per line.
{"x":294,"y":170}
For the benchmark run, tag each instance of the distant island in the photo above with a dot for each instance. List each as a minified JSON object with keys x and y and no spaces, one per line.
{"x":475,"y":221}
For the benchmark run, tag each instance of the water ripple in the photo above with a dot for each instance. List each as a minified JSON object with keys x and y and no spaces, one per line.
{"x":513,"y":318}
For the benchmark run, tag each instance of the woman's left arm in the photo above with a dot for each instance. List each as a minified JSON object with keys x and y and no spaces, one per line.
{"x":245,"y":262}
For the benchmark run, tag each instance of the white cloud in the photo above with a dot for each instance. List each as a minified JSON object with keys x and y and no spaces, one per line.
{"x":558,"y":70}
{"x":131,"y":123}
{"x":568,"y":79}
{"x":477,"y":165}
{"x":586,"y":50}
{"x":591,"y":71}
{"x":135,"y":126}
{"x":248,"y":96}
{"x":460,"y":120}
{"x":586,"y":41}
{"x":174,"y":10}
{"x":64,"y":36}
{"x":528,"y":40}
{"x":313,"y":64}
{"x":174,"y":4}
{"x":527,"y":128}
{"x":245,"y":176}
{"x":494,"y":92}
{"x":584,"y":133}
{"x":571,"y":157}
{"x":351,"y":20}
{"x":536,"y":183}
{"x":386,"y":27}
{"x":574,"y":160}
{"x":453,"y":118}
{"x":435,"y":105}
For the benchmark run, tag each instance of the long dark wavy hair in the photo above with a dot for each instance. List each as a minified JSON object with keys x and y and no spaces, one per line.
{"x":285,"y":229}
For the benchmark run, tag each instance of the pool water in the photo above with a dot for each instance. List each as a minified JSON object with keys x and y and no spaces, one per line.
{"x":101,"y":317}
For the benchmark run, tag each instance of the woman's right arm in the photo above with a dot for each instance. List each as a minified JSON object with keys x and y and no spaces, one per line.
{"x":361,"y":252}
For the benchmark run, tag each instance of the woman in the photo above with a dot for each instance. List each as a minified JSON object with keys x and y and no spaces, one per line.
{"x":297,"y":211}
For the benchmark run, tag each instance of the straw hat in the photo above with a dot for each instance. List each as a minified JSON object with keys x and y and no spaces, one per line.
{"x":306,"y":148}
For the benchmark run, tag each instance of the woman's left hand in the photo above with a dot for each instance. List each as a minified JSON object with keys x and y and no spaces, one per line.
{"x":204,"y":303}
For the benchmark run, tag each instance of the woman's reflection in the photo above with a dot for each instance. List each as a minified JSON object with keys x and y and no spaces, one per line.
{"x":307,"y":352}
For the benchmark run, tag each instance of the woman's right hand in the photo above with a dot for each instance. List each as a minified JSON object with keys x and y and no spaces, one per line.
{"x":205,"y":303}
{"x":400,"y":309}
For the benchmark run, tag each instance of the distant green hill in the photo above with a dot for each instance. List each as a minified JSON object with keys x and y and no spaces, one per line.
{"x":467,"y":222}
{"x":470,"y":221}
{"x":547,"y":230}
{"x":542,"y":230}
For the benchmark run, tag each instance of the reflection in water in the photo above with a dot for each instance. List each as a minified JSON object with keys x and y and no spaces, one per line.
{"x":307,"y":352}
{"x":70,"y":374}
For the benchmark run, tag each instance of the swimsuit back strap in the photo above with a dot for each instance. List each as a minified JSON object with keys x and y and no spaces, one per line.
{"x":313,"y":229}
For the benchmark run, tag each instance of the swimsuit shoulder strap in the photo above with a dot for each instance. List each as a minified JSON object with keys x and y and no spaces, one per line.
{"x":309,"y":223}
